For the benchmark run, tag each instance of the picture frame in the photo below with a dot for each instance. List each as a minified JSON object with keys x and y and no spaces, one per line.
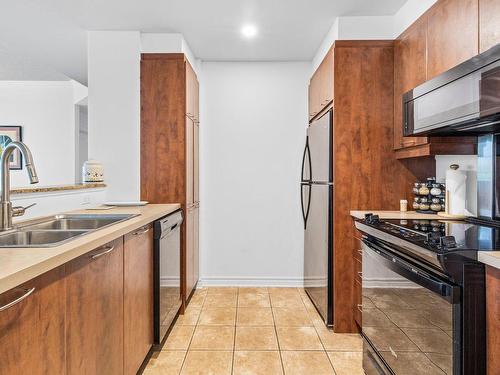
{"x":10,"y":133}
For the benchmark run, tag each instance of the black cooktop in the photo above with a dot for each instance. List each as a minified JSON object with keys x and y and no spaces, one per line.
{"x":442,"y":235}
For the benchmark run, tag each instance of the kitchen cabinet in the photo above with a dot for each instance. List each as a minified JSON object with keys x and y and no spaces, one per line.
{"x":489,"y":27}
{"x":32,"y":339}
{"x":137,"y":297}
{"x":492,"y":319}
{"x":170,"y":123}
{"x":94,"y":311}
{"x":321,"y":86}
{"x":444,"y":36}
{"x":452,"y":34}
{"x":409,"y":72}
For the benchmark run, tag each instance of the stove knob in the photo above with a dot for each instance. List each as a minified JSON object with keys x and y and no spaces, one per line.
{"x":448,"y":242}
{"x":375,"y":219}
{"x":368,"y":216}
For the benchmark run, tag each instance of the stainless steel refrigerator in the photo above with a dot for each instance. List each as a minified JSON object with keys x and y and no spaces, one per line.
{"x":317,"y":211}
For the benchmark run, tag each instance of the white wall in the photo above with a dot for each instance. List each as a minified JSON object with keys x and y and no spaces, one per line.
{"x":45,"y":110}
{"x":253,"y":124}
{"x":114,"y":109}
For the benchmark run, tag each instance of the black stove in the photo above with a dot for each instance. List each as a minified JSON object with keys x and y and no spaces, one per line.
{"x":421,"y":278}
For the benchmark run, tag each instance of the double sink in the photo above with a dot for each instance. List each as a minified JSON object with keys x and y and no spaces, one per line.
{"x":56,"y":230}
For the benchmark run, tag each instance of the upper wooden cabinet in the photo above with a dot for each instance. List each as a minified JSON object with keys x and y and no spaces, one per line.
{"x":489,"y":26}
{"x":452,"y":34}
{"x":410,"y":51}
{"x":443,"y":37}
{"x":32,"y":337}
{"x":321,"y":86}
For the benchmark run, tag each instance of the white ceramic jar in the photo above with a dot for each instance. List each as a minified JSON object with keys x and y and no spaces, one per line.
{"x":92,"y":171}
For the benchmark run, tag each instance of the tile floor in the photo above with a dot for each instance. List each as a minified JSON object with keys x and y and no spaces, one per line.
{"x":254,"y":331}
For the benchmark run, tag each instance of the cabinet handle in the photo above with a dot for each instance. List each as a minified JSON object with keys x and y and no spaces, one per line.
{"x":360,"y":307}
{"x":107,"y":251}
{"x":360,"y":252}
{"x":16,"y":301}
{"x":139,"y":232}
{"x":360,"y":274}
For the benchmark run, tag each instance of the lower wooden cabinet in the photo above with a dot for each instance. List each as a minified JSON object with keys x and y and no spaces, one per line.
{"x":493,"y":320}
{"x":32,"y":331}
{"x":94,"y":311}
{"x":138,"y":297}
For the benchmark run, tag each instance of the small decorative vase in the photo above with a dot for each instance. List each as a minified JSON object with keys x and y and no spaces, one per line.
{"x":92,"y":171}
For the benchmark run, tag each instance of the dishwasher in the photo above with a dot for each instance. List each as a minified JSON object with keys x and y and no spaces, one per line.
{"x":166,"y":273}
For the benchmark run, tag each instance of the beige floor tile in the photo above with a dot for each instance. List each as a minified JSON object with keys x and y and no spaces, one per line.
{"x":307,"y":362}
{"x":256,"y":338}
{"x":165,"y":363}
{"x":220,"y":300}
{"x":254,"y":316}
{"x":346,"y":363}
{"x":257,"y":363}
{"x":197,"y":300}
{"x":298,"y":338}
{"x":287,"y":316}
{"x":279,"y":290}
{"x":252,"y":290}
{"x":190,"y":317}
{"x":348,"y":342}
{"x":254,"y":300}
{"x":286,"y":300}
{"x":179,"y":338}
{"x":222,"y":290}
{"x":218,"y":316}
{"x":207,"y":363}
{"x":213,"y":338}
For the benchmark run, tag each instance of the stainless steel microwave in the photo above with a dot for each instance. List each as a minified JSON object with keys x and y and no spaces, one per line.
{"x":465,"y":100}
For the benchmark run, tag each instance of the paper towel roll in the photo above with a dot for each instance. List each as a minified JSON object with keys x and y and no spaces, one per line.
{"x":456,"y":191}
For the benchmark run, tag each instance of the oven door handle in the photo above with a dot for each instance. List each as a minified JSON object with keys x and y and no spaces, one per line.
{"x":449,"y":292}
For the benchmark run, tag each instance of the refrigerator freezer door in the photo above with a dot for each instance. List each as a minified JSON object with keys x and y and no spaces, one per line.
{"x":318,"y":239}
{"x":320,"y":153}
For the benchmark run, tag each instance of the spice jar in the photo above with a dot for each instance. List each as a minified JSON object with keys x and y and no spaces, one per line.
{"x":423,"y":190}
{"x":436,"y":189}
{"x":424,"y":206}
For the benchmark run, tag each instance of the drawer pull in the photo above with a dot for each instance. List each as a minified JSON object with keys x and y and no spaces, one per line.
{"x":139,"y":232}
{"x":107,"y":251}
{"x":16,"y":301}
{"x":360,"y":307}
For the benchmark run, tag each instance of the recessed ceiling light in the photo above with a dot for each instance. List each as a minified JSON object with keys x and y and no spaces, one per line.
{"x":249,"y":31}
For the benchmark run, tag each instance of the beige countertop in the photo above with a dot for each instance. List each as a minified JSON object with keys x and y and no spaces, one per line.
{"x":18,"y":265}
{"x":396,"y":215}
{"x":490,"y":258}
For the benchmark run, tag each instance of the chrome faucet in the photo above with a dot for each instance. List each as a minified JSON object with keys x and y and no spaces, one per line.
{"x":6,"y":209}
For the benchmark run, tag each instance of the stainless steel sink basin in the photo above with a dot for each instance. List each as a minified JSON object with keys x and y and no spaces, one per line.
{"x":55,"y":230}
{"x":37,"y":238}
{"x":75,"y":222}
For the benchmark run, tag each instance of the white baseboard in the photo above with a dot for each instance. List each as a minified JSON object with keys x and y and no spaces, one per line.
{"x":170,"y":281}
{"x":252,"y":281}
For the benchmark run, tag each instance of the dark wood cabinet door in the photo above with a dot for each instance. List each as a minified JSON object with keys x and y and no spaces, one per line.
{"x":409,"y":72}
{"x":489,"y":27}
{"x":94,"y":311}
{"x":452,"y":34}
{"x":493,"y":319}
{"x":32,"y":331}
{"x":137,"y":297}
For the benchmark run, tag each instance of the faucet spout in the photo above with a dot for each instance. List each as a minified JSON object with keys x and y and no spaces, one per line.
{"x":6,"y":212}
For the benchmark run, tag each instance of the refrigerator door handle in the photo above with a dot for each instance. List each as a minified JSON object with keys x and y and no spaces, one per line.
{"x":307,"y":154}
{"x":305,"y":212}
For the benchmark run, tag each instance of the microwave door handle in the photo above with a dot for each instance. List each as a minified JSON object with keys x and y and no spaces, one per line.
{"x":450,"y":293}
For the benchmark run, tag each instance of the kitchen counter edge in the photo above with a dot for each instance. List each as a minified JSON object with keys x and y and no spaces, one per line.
{"x":409,"y":215}
{"x":19,"y":265}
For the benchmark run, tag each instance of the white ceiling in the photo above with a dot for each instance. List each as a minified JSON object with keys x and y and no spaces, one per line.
{"x":53,"y":31}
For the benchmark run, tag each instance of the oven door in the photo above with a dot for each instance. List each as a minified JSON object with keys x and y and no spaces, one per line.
{"x":411,"y":317}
